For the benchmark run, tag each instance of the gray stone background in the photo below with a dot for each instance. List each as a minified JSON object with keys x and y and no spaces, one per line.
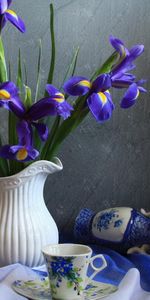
{"x":104,"y":165}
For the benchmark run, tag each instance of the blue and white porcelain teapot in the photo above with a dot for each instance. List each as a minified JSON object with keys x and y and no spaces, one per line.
{"x":120,"y":228}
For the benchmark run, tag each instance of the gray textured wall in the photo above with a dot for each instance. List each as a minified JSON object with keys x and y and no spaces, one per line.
{"x":104,"y":165}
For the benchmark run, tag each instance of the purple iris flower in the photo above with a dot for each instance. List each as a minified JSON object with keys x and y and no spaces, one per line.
{"x":7,"y":14}
{"x":132,"y":94}
{"x":53,"y":105}
{"x":9,"y":98}
{"x":99,"y":99}
{"x":119,"y":76}
{"x":132,"y":53}
{"x":118,"y":46}
{"x":24,"y":151}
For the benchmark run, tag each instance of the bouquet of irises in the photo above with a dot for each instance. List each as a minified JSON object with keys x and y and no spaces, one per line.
{"x":31,"y":135}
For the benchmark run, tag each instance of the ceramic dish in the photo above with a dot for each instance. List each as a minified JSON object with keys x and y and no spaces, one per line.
{"x":39,"y":289}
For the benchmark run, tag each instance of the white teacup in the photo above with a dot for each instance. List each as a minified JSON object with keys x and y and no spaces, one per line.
{"x":67,"y":266}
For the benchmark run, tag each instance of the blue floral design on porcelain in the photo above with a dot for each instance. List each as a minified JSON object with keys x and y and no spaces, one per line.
{"x":118,"y":223}
{"x":60,"y":268}
{"x":107,"y":218}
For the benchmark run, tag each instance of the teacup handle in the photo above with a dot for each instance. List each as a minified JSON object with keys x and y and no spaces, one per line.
{"x":97,"y":269}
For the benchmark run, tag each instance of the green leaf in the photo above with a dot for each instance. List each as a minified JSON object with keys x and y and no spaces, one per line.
{"x":79,"y":279}
{"x":12,"y":137}
{"x":15,"y":166}
{"x":70,"y":72}
{"x":69,"y":284}
{"x":12,"y":129}
{"x":51,"y":137}
{"x":9,"y":71}
{"x":72,"y":66}
{"x":52,"y":34}
{"x":25,"y":73}
{"x":107,"y":66}
{"x":76,"y":269}
{"x":28,"y":97}
{"x":4,"y":167}
{"x":64,"y":129}
{"x":3,"y":68}
{"x":38,"y":71}
{"x":19,"y":73}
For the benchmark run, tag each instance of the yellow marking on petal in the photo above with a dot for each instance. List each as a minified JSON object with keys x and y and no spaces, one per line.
{"x":60,"y":100}
{"x":123,"y":51}
{"x":138,"y":92}
{"x":11,"y":12}
{"x":4,"y":95}
{"x":103,"y":97}
{"x":107,"y":91}
{"x":85,"y":83}
{"x":22,"y":154}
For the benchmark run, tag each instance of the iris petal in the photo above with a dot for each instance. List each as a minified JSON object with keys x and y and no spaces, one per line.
{"x":142,"y":90}
{"x":32,"y":154}
{"x":51,"y":89}
{"x":16,"y":106}
{"x":101,"y":83}
{"x":42,"y":130}
{"x":136,"y":51}
{"x":100,"y":106}
{"x":18,"y":152}
{"x":123,"y":81}
{"x":10,"y":87}
{"x":10,"y":100}
{"x":49,"y":106}
{"x":9,"y":2}
{"x":24,"y":132}
{"x":127,"y":63}
{"x":119,"y":46}
{"x":109,"y":99}
{"x":77,"y":86}
{"x":41,"y":109}
{"x":64,"y":110}
{"x":130,"y":96}
{"x":15,"y":20}
{"x":3,"y":6}
{"x":5,"y":152}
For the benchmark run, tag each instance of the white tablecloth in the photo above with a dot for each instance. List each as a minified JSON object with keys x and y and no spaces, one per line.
{"x":129,"y":288}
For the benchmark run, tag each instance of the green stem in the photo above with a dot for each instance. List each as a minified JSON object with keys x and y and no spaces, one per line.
{"x":12,"y":138}
{"x":51,"y":138}
{"x":67,"y":127}
{"x":4,"y":166}
{"x":52,"y":34}
{"x":3,"y":68}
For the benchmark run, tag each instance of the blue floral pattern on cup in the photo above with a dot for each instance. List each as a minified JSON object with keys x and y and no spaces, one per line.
{"x":107,"y":218}
{"x":61,"y":268}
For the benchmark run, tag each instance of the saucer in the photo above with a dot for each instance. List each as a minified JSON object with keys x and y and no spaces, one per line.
{"x":39,"y":289}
